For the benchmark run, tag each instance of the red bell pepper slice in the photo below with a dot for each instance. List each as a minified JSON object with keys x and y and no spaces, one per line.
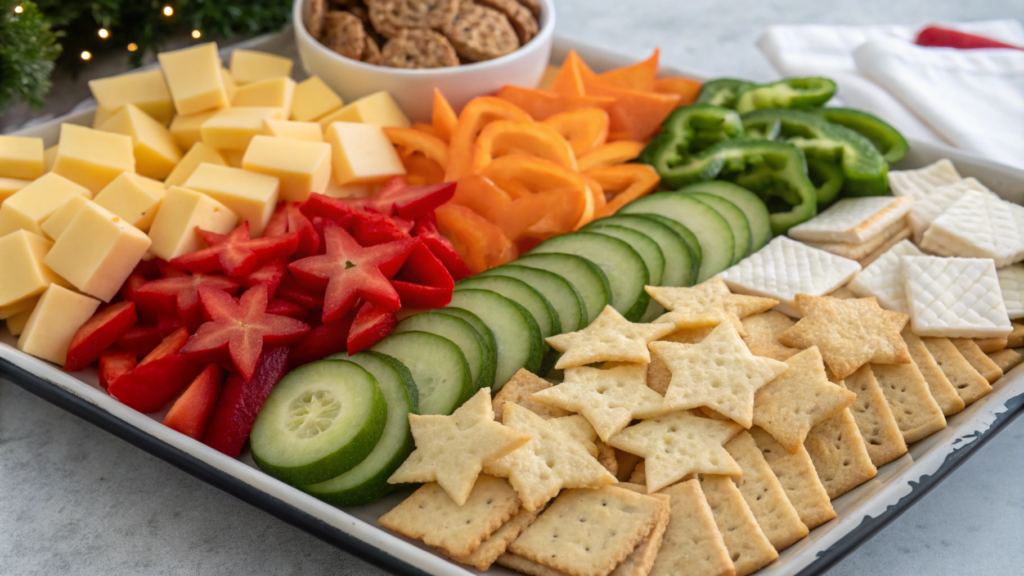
{"x":134,"y":281}
{"x":291,"y":291}
{"x":332,"y":209}
{"x":423,"y":281}
{"x":240,"y":401}
{"x":268,"y":274}
{"x":167,"y":324}
{"x":398,"y":198}
{"x":236,"y":254}
{"x":286,"y":308}
{"x":936,"y":37}
{"x":114,"y":364}
{"x":426,"y":230}
{"x":321,"y":341}
{"x":349,"y":271}
{"x":140,"y":340}
{"x":370,"y":325}
{"x":99,"y":333}
{"x":289,"y":218}
{"x":151,"y":385}
{"x":172,"y":344}
{"x":371,"y":229}
{"x":238,"y":330}
{"x":191,"y":412}
{"x":179,"y":295}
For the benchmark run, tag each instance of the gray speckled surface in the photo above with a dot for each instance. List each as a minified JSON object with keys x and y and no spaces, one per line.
{"x":76,"y":500}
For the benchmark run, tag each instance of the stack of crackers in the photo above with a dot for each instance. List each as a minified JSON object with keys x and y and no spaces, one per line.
{"x":860,"y":229}
{"x":418,"y":34}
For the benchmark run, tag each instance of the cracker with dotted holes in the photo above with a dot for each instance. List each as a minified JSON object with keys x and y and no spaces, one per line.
{"x":839,"y":455}
{"x":1006,"y":359}
{"x":795,"y":472}
{"x":639,"y":563}
{"x":489,"y":550}
{"x":430,"y":515}
{"x":610,"y":337}
{"x":749,"y":549}
{"x":529,"y":567}
{"x":707,"y":304}
{"x":990,"y":345}
{"x":969,"y":384}
{"x":915,"y":410}
{"x":589,"y":532}
{"x":971,"y":352}
{"x":763,"y":335}
{"x":874,"y":418}
{"x":518,"y":391}
{"x":939,"y":386}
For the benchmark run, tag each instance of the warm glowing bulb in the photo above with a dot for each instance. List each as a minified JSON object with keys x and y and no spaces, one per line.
{"x":18,"y":9}
{"x":133,"y":47}
{"x":104,"y":33}
{"x":196,"y":33}
{"x":86,"y":55}
{"x":168,"y":11}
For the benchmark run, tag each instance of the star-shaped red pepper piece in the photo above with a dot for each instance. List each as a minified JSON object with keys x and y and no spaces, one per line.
{"x":289,"y":218}
{"x":179,"y":295}
{"x":399,"y":198}
{"x":236,"y":254}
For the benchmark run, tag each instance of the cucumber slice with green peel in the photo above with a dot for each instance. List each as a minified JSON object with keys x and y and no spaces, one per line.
{"x":438,"y":368}
{"x":688,"y":238}
{"x":562,"y":295}
{"x":486,"y":336}
{"x":652,"y":256}
{"x":712,"y":231}
{"x":678,"y":258}
{"x":751,"y":205}
{"x":622,"y":265}
{"x":321,"y":420}
{"x":368,"y":481}
{"x":741,"y":234}
{"x":584,"y":275}
{"x":479,"y":356}
{"x":516,"y":335}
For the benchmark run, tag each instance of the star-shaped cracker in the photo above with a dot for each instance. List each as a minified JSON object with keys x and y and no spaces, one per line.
{"x":608,"y":398}
{"x":849,"y":333}
{"x":719,"y":373}
{"x":789,"y":406}
{"x":609,"y":337}
{"x":707,"y":304}
{"x":451,"y":450}
{"x":553,"y":459}
{"x":678,"y":444}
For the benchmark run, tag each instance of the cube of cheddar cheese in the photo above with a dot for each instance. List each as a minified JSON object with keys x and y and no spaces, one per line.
{"x":21,"y":157}
{"x":8,"y":186}
{"x":301,"y":167}
{"x":24,"y":273}
{"x":29,"y":207}
{"x":308,"y":131}
{"x":194,"y":78}
{"x":313,"y":100}
{"x":198,"y":154}
{"x":186,"y":130}
{"x":362,"y":154}
{"x":18,"y":307}
{"x":378,"y":108}
{"x":156,"y":152}
{"x":54,"y":321}
{"x":248,"y":66}
{"x":174,"y":229}
{"x":270,"y":93}
{"x":133,"y":198}
{"x":56,"y":224}
{"x":92,"y":158}
{"x":251,"y":196}
{"x":233,"y":128}
{"x":147,"y":90}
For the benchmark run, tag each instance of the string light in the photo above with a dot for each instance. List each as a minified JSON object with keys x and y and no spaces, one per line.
{"x":168,"y":11}
{"x":133,"y":47}
{"x":86,"y":55}
{"x":18,"y":9}
{"x":196,"y":33}
{"x":104,"y":33}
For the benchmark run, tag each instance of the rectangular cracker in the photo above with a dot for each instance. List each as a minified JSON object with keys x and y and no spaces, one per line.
{"x":692,"y":545}
{"x":942,"y":390}
{"x":967,"y":381}
{"x":489,"y":550}
{"x":764,"y":494}
{"x":878,"y":252}
{"x":971,"y":352}
{"x":518,"y":391}
{"x":763,"y":332}
{"x":639,"y":563}
{"x":839,"y":454}
{"x":858,"y":250}
{"x":430,"y":515}
{"x":1016,"y":337}
{"x":524,"y":566}
{"x":749,"y":549}
{"x":990,"y":345}
{"x":1006,"y":359}
{"x":588,"y":532}
{"x":875,"y":421}
{"x":911,"y":403}
{"x":796,"y":474}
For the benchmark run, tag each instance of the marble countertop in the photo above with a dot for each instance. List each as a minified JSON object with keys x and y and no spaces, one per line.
{"x":76,"y":500}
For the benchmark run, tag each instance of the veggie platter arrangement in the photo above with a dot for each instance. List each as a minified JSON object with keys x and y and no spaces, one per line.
{"x":618,"y":323}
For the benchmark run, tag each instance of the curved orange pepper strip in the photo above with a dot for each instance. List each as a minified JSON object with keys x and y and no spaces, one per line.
{"x":626,"y":182}
{"x":597,"y":198}
{"x":420,"y":170}
{"x":585,"y":129}
{"x":443,"y":118}
{"x":565,"y":189}
{"x":610,"y":154}
{"x":541,"y":105}
{"x":424,"y":127}
{"x":480,"y":112}
{"x":512,"y":216}
{"x":413,"y":140}
{"x":481,"y":244}
{"x":503,"y":137}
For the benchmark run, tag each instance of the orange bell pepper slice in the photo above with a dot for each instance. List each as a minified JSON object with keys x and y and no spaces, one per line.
{"x":625,"y":182}
{"x":541,"y":105}
{"x":413,"y":140}
{"x":503,"y":137}
{"x":585,"y":129}
{"x":610,"y":154}
{"x":596,"y":192}
{"x":420,"y":170}
{"x":486,"y":199}
{"x":443,"y":119}
{"x":481,"y":244}
{"x":571,"y":76}
{"x":635,"y":115}
{"x":566,"y":190}
{"x":424,"y":127}
{"x":639,"y":76}
{"x":686,"y":88}
{"x":480,"y":112}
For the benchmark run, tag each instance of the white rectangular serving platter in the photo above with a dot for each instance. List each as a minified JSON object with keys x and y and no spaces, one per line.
{"x":861,"y":513}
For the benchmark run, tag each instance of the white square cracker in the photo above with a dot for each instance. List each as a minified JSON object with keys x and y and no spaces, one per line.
{"x":978,"y":225}
{"x":785,"y":268}
{"x":954,"y":297}
{"x":920,"y":182}
{"x":1011,"y":285}
{"x":930,"y":206}
{"x":853,"y":220}
{"x":883,"y":278}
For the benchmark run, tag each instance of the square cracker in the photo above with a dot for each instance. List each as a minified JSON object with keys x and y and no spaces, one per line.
{"x":640,"y":561}
{"x":489,"y":550}
{"x":430,"y":515}
{"x":1006,"y":359}
{"x":874,"y":418}
{"x":916,"y":412}
{"x":853,"y":220}
{"x":588,"y":532}
{"x":763,"y":492}
{"x":749,"y":549}
{"x":692,"y":545}
{"x":518,"y":391}
{"x":796,"y":474}
{"x":971,"y":352}
{"x":967,"y":381}
{"x":941,"y":389}
{"x":839,"y":455}
{"x":859,"y":250}
{"x":520,"y":564}
{"x":763,"y":332}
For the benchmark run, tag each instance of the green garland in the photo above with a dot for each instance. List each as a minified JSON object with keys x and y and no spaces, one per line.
{"x":28,"y":48}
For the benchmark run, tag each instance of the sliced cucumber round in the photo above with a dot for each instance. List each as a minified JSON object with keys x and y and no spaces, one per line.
{"x":516,"y":335}
{"x":584,"y":275}
{"x":438,"y":368}
{"x":678,"y":259}
{"x":486,"y":336}
{"x":685,"y":234}
{"x":625,"y":269}
{"x":653,"y":258}
{"x":741,"y":234}
{"x":562,"y":295}
{"x":321,"y":420}
{"x":479,"y":356}
{"x":368,"y":481}
{"x":751,"y":205}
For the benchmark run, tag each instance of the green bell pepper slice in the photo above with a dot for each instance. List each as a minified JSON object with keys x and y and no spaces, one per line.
{"x":828,"y":178}
{"x":723,"y":91}
{"x":887,"y":140}
{"x":791,"y":93}
{"x":688,"y":131}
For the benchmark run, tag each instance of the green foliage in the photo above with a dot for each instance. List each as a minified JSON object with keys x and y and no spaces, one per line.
{"x":28,"y":48}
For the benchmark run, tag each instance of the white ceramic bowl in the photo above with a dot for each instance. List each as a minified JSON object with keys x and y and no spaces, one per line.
{"x":413,"y":89}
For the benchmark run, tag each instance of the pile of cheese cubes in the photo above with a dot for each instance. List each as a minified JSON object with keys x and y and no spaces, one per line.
{"x":190,"y":144}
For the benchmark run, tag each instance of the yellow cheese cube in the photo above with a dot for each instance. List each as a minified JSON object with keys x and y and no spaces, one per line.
{"x":313,"y":100}
{"x":53,"y":323}
{"x":194,"y":77}
{"x":18,"y":307}
{"x":155,"y":151}
{"x":92,"y":158}
{"x":233,"y":128}
{"x":49,"y":157}
{"x":97,"y":251}
{"x":133,"y":198}
{"x":29,"y":207}
{"x":196,"y":155}
{"x":362,"y":154}
{"x":8,"y":186}
{"x":21,"y":157}
{"x":301,"y":167}
{"x":248,"y":66}
{"x":378,"y":108}
{"x":147,"y":90}
{"x":308,"y":131}
{"x":56,"y":224}
{"x":186,"y":129}
{"x":251,"y":196}
{"x":271,"y":93}
{"x":230,"y":86}
{"x":174,"y":229}
{"x":16,"y":324}
{"x":21,"y":259}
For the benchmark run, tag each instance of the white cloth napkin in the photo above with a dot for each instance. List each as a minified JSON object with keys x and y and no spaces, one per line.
{"x":971,"y":99}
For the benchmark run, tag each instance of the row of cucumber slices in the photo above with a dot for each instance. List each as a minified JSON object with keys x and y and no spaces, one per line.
{"x":338,"y":428}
